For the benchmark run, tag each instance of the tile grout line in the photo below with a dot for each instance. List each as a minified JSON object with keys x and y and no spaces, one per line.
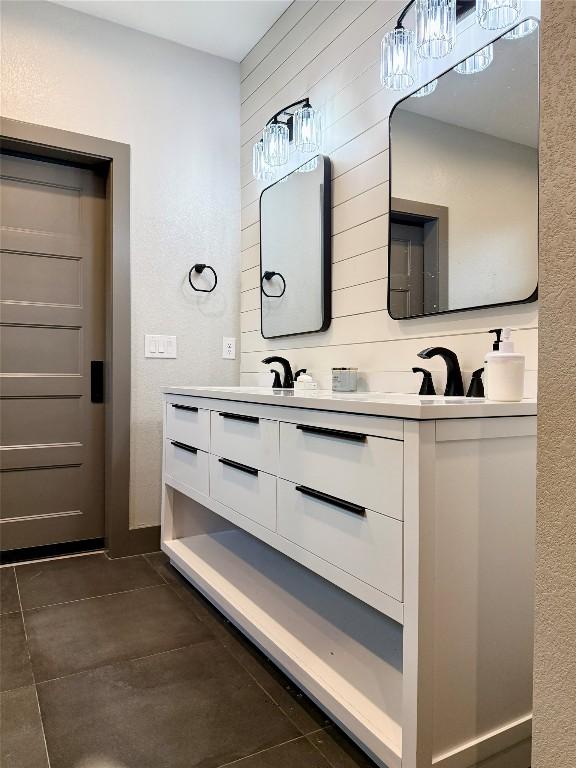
{"x":261,"y":752}
{"x":91,"y":597}
{"x":32,"y":670}
{"x":121,"y":661}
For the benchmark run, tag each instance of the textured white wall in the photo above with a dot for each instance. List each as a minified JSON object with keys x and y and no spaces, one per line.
{"x":179,"y":111}
{"x":330,"y":52}
{"x":490,"y":187}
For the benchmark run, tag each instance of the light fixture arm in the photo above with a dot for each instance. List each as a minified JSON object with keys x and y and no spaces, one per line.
{"x":399,"y":24}
{"x":286,"y":111}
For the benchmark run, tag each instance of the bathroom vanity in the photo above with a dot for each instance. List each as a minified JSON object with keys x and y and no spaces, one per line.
{"x":378,"y":548}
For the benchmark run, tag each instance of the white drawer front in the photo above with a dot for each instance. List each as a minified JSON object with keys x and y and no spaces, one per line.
{"x":188,"y":465}
{"x":247,"y":439}
{"x":362,"y":469}
{"x":188,"y":424}
{"x":367,"y":546}
{"x":253,"y":494}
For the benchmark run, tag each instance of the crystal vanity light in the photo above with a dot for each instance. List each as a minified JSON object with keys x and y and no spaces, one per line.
{"x":522,"y":30}
{"x":299,"y":124}
{"x":435,"y":37}
{"x":398,"y":62}
{"x":426,"y":90}
{"x":476,"y":63}
{"x":435,"y":28}
{"x":497,"y":14}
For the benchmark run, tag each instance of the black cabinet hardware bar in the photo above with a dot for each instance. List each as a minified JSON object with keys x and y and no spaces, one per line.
{"x":179,"y":407}
{"x":240,"y":417}
{"x":184,"y":447}
{"x":240,"y":467}
{"x":347,"y":505}
{"x":355,"y":437}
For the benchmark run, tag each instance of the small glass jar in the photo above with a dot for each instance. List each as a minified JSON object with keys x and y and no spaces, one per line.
{"x":344,"y":379}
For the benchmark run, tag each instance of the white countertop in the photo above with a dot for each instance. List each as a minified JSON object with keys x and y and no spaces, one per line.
{"x":395,"y":405}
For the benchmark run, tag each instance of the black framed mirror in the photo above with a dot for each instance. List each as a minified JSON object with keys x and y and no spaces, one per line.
{"x":463,"y":224}
{"x":295,"y":252}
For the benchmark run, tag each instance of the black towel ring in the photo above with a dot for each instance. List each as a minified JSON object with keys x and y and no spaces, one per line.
{"x":269,"y":276}
{"x":199,"y":268}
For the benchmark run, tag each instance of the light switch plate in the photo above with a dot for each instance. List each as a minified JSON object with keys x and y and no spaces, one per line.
{"x":160,"y":346}
{"x":228,"y":348}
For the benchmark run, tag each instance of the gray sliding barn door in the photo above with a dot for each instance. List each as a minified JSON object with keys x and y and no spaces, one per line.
{"x":52,"y":326}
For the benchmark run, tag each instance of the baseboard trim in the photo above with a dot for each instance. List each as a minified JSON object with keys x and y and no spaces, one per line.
{"x":137,"y":541}
{"x":510,"y":743}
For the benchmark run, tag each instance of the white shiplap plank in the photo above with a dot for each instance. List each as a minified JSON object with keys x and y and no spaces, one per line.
{"x":364,"y":268}
{"x":250,"y":300}
{"x":360,"y":239}
{"x":249,"y":279}
{"x":361,"y":208}
{"x":360,"y":179}
{"x":249,"y":236}
{"x":250,"y":257}
{"x":289,"y":44}
{"x":275,"y":34}
{"x":363,"y":298}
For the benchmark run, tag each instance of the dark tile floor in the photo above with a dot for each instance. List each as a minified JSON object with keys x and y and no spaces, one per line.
{"x":122,"y":664}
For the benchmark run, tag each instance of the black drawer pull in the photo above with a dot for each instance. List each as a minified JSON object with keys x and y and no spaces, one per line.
{"x":347,"y":505}
{"x":190,"y":408}
{"x":354,"y":437}
{"x":241,"y":467}
{"x":183,"y":446}
{"x":240,"y":417}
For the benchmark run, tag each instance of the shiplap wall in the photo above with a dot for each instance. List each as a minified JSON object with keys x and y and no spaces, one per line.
{"x":329,"y":50}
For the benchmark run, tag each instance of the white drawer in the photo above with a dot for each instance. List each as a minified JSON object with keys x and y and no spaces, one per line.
{"x":247,"y":439}
{"x":188,"y":465}
{"x":245,"y":489}
{"x":357,"y":467}
{"x":361,"y":542}
{"x":188,"y":424}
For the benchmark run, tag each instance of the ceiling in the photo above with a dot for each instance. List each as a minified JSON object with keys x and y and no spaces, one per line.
{"x":228,"y":28}
{"x":501,"y":101}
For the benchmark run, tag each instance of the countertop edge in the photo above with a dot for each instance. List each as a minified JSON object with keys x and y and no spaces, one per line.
{"x":383,"y":408}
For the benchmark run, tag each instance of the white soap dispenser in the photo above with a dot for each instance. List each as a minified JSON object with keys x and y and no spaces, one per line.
{"x":505,"y":370}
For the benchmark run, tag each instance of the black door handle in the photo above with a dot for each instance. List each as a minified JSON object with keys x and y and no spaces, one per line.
{"x":183,"y":446}
{"x":240,"y":467}
{"x":97,"y":381}
{"x":336,"y":502}
{"x":179,"y":407}
{"x":355,"y":437}
{"x":240,"y":417}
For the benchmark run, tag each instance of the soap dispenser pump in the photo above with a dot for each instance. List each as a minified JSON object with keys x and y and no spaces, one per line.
{"x":505,"y":370}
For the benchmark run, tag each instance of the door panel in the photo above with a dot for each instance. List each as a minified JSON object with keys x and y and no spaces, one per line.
{"x":52,"y":270}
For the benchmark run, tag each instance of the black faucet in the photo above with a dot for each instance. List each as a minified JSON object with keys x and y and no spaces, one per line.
{"x":454,"y":383}
{"x":288,"y":382}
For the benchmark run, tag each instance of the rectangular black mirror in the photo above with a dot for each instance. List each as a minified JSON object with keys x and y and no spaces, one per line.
{"x":295,"y":252}
{"x":464,"y":184}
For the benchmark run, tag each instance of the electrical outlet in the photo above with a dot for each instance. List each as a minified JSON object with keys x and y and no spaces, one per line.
{"x":228,"y":348}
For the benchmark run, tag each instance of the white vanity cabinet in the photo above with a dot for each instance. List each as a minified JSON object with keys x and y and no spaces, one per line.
{"x":378,"y":548}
